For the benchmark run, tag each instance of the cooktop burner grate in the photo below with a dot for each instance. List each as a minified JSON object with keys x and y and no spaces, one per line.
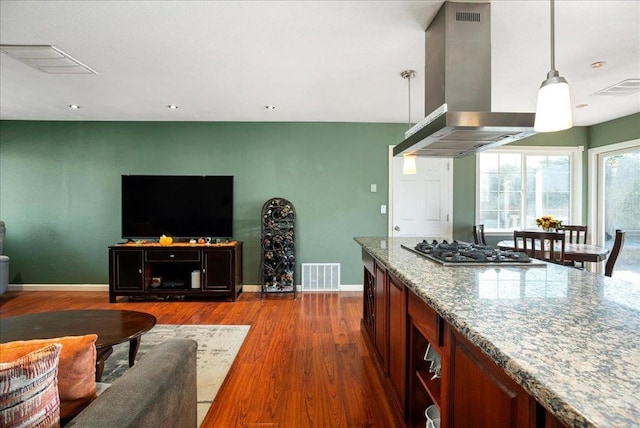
{"x":461,"y":253}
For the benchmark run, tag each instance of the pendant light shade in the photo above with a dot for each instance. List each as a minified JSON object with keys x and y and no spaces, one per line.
{"x":553,"y":112}
{"x":409,"y":165}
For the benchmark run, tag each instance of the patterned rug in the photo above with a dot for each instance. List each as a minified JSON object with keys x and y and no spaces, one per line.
{"x":218,"y":346}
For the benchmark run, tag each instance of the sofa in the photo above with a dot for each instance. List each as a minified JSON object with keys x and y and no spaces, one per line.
{"x":158,"y":391}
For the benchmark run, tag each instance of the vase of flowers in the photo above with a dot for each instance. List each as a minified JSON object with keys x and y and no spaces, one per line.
{"x":548,"y":223}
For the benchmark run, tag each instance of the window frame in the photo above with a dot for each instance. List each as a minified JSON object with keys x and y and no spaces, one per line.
{"x":575,"y":154}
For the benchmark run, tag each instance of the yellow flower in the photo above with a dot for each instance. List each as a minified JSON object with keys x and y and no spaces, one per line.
{"x":548,"y":222}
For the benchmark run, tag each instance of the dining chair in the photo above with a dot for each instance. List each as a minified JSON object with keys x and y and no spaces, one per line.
{"x":615,"y":251}
{"x":478,"y":234}
{"x":576,"y":234}
{"x":547,"y":246}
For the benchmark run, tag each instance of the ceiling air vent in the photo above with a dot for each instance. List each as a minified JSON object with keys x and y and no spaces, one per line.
{"x":468,"y":16}
{"x":47,"y":59}
{"x":626,"y":87}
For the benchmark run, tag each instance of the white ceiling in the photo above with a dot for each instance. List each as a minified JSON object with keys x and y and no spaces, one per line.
{"x":314,"y":60}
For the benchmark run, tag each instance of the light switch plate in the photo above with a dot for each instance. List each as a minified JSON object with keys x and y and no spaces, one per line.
{"x":374,"y":188}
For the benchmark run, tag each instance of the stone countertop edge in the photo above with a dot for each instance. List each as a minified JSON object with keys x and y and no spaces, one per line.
{"x":568,"y":384}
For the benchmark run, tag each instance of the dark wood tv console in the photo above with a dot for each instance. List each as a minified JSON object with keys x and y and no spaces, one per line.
{"x":149,"y":270}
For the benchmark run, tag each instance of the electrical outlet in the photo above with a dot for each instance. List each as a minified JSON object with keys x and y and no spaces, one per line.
{"x":374,"y":188}
{"x":383,"y":209}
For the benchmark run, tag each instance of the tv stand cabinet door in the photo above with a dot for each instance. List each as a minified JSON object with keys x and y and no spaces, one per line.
{"x":127,"y":272}
{"x":218,"y":270}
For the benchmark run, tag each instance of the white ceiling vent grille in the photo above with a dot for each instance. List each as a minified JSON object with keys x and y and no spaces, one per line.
{"x":47,"y":59}
{"x":320,"y":276}
{"x":626,"y":87}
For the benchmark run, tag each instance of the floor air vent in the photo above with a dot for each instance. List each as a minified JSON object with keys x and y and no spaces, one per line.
{"x":320,"y":276}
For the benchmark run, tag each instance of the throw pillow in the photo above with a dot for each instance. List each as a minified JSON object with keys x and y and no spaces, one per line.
{"x":29,"y":391}
{"x":77,"y":368}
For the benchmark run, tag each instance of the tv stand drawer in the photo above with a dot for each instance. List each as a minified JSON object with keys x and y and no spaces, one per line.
{"x":172,"y":255}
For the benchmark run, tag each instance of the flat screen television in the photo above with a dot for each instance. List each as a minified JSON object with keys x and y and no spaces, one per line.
{"x":180,"y":206}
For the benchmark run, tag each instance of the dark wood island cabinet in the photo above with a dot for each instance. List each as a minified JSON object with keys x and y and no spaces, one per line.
{"x":468,"y":388}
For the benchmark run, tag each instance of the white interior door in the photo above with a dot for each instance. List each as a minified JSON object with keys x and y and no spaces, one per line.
{"x":422,"y":203}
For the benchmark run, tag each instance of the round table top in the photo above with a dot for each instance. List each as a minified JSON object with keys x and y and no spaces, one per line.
{"x":112,"y":326}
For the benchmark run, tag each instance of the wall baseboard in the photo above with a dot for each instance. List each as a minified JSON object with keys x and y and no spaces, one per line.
{"x":58,"y":287}
{"x":105,"y":287}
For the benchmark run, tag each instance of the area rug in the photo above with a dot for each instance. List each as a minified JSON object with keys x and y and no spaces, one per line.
{"x":218,"y":346}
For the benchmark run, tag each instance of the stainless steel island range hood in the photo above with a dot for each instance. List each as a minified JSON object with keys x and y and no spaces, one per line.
{"x":458,"y":89}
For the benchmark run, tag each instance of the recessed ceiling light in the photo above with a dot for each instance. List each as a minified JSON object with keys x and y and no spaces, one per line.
{"x":597,"y":64}
{"x":270,"y":107}
{"x":172,"y":106}
{"x":73,"y":106}
{"x":581,"y":105}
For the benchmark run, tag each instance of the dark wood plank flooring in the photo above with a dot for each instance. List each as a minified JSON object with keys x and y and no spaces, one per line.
{"x":304,"y":362}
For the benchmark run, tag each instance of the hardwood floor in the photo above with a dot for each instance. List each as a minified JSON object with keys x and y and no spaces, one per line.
{"x":304,"y":362}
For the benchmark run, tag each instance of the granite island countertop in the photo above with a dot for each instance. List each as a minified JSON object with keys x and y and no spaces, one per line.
{"x":570,"y":338}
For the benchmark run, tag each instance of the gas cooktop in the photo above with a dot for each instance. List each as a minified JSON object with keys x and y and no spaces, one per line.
{"x":464,"y":254}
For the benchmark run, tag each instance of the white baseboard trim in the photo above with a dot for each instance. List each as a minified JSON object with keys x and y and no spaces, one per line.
{"x":351,"y":287}
{"x":105,"y":287}
{"x":58,"y":287}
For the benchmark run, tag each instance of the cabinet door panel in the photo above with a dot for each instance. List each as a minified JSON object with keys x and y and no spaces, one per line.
{"x":127,"y":269}
{"x":482,"y":394}
{"x":381,"y":333}
{"x":398,"y":340}
{"x":218,"y":274}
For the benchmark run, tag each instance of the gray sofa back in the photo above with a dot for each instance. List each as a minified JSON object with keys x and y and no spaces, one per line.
{"x":159,"y":391}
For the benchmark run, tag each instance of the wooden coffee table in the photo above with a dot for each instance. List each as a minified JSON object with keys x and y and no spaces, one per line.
{"x":111,"y":326}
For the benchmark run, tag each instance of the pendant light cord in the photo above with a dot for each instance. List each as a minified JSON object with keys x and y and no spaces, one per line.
{"x":409,"y":124}
{"x":553,"y":53}
{"x":409,"y":74}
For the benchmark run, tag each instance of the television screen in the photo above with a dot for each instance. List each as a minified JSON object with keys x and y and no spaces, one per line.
{"x":178,"y":206}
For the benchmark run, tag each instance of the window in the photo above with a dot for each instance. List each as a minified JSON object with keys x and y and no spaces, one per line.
{"x":614,"y":173}
{"x":518,"y":184}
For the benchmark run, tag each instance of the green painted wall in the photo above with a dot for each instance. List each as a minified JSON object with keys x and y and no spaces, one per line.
{"x":60,"y":184}
{"x":464,"y":169}
{"x":615,"y":131}
{"x":60,"y":187}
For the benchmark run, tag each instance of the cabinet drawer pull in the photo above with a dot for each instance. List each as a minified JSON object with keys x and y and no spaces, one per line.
{"x":172,"y":255}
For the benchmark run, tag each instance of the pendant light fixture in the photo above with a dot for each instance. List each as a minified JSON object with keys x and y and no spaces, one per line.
{"x":409,"y":161}
{"x":409,"y":165}
{"x":553,"y":112}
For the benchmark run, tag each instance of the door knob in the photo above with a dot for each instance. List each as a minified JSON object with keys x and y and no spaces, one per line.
{"x":396,"y":228}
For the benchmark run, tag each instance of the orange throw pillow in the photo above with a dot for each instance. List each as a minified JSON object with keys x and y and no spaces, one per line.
{"x":28,"y":390}
{"x":76,"y":370}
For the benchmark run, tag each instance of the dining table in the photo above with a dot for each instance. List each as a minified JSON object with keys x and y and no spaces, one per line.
{"x":572,"y":251}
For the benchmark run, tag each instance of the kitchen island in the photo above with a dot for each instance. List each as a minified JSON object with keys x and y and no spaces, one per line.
{"x":568,"y":338}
